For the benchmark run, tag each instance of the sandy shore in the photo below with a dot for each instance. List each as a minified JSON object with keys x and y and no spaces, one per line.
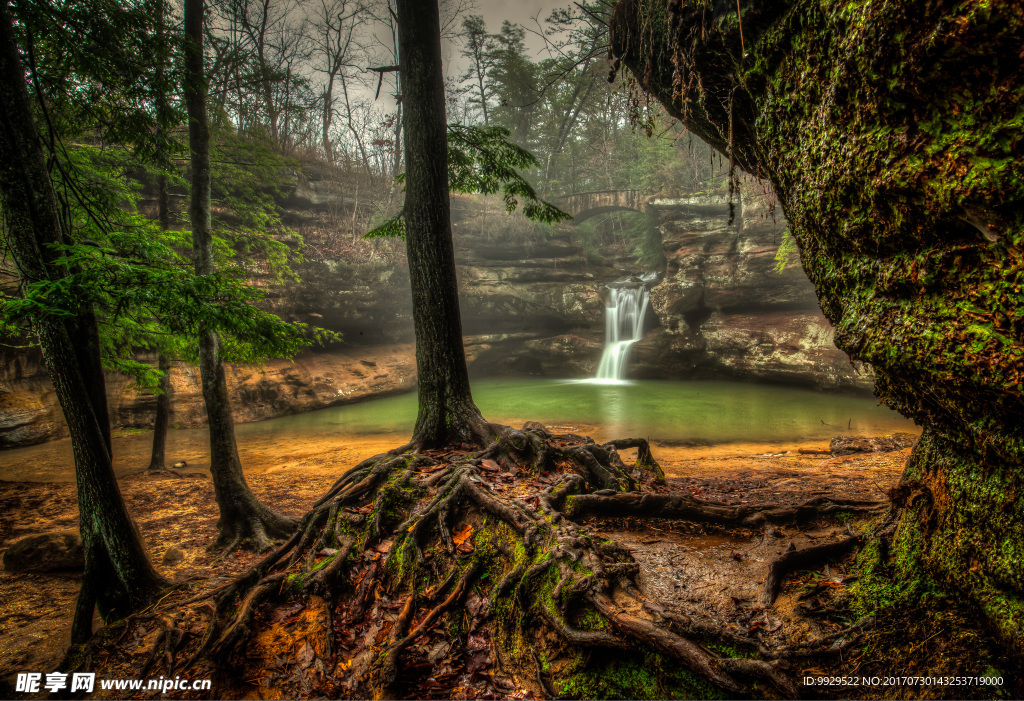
{"x":333,"y":453}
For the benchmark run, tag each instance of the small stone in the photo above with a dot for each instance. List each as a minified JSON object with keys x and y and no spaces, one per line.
{"x":46,"y":552}
{"x":173,"y":555}
{"x":847,"y":445}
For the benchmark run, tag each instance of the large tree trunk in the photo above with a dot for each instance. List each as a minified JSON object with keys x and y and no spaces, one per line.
{"x":162,"y":419}
{"x":902,"y":182}
{"x":447,"y":413}
{"x":118,"y":576}
{"x":244,"y":522}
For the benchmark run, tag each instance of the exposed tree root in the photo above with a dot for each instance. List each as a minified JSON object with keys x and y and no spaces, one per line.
{"x":796,"y":559}
{"x":680,"y":506}
{"x":482,"y":546}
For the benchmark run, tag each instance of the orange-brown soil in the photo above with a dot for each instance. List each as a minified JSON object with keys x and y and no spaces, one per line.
{"x":688,"y":568}
{"x":37,"y":494}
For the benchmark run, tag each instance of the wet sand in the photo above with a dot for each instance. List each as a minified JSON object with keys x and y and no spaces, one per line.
{"x":333,"y":453}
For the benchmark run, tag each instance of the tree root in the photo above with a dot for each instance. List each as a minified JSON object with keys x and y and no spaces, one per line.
{"x":437,"y":538}
{"x":796,"y":559}
{"x":682,"y":507}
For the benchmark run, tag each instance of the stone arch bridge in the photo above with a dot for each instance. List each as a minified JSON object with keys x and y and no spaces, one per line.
{"x":584,"y":205}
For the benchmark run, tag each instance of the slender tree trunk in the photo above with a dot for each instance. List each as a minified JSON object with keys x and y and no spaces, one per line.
{"x":265,"y":83}
{"x":447,"y":413}
{"x":244,"y":522}
{"x":163,"y":215}
{"x":355,"y":132}
{"x":483,"y":95}
{"x":163,"y":415}
{"x":118,"y":576}
{"x":396,"y":156}
{"x":328,"y":114}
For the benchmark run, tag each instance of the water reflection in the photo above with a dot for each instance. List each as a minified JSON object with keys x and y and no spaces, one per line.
{"x":684,"y":412}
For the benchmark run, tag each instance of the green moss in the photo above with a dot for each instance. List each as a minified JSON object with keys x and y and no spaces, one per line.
{"x":892,"y":133}
{"x":587,"y":618}
{"x":639,"y":676}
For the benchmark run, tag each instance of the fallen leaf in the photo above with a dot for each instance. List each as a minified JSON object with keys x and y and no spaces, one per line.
{"x":305,"y":656}
{"x":477,"y":642}
{"x":462,"y":535}
{"x":473,"y":603}
{"x":438,"y":651}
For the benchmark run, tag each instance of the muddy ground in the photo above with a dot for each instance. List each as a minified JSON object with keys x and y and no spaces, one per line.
{"x":689,"y":569}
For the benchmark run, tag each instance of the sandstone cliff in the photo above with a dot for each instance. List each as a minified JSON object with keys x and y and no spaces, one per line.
{"x":532,"y":304}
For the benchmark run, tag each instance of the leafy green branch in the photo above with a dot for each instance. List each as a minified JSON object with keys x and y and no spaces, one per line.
{"x":483,"y":160}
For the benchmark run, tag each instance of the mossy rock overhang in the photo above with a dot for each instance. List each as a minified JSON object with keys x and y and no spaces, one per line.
{"x":892,"y":133}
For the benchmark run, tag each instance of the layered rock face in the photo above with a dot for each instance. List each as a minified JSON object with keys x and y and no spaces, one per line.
{"x":532,"y":304}
{"x":892,"y":134}
{"x":723,"y":310}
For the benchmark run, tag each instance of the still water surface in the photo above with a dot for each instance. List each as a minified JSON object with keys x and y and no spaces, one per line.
{"x":685,"y":412}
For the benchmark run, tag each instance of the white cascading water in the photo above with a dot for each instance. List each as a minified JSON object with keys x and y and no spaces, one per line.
{"x":624,"y":326}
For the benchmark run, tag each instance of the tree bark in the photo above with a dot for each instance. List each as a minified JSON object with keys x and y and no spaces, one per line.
{"x":328,"y":114}
{"x":244,"y":522}
{"x":163,"y":415}
{"x":118,"y":576}
{"x":447,"y":413}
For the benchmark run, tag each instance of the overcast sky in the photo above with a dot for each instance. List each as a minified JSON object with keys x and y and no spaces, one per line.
{"x":518,"y":11}
{"x":494,"y":12}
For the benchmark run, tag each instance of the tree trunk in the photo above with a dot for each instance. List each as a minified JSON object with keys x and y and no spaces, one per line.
{"x":244,"y":522}
{"x":163,"y":215}
{"x":118,"y":577}
{"x":447,"y":413}
{"x":162,"y":419}
{"x":328,"y":115}
{"x":355,"y":132}
{"x":396,"y":154}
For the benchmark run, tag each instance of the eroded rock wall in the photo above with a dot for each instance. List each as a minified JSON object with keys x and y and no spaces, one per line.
{"x":892,"y":134}
{"x":723,"y":308}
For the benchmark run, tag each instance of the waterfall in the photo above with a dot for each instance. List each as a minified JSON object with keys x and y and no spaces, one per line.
{"x":624,"y":326}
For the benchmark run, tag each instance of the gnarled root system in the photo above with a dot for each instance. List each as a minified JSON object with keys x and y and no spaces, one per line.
{"x":418,"y":569}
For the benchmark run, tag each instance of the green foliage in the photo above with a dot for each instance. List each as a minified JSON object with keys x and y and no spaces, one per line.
{"x":95,"y":62}
{"x":481,"y":159}
{"x":787,"y":249}
{"x":122,"y":266}
{"x":106,"y":83}
{"x":642,"y":241}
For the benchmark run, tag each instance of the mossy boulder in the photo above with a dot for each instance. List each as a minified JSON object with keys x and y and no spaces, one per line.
{"x":892,"y":133}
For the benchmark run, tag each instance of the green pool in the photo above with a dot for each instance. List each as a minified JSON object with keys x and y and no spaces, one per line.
{"x":685,"y":412}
